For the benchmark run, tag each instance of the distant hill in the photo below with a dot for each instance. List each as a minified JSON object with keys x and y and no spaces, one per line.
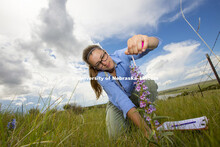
{"x":187,"y":88}
{"x":96,"y":106}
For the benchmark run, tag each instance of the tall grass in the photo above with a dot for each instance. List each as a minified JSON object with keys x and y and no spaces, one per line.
{"x":66,"y":128}
{"x":191,"y":107}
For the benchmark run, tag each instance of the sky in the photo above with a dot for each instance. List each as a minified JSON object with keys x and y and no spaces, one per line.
{"x":41,"y":43}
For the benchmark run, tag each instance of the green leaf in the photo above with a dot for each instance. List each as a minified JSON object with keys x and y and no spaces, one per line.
{"x":151,"y":134}
{"x":136,"y":94}
{"x":150,"y":140}
{"x":169,"y":139}
{"x":167,"y":134}
{"x":140,"y":110}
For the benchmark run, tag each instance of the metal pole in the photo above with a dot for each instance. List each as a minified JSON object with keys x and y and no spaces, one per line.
{"x":200,"y":90}
{"x":213,"y":68}
{"x":22,"y":109}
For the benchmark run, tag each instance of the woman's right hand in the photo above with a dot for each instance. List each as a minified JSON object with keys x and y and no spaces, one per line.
{"x":137,"y":44}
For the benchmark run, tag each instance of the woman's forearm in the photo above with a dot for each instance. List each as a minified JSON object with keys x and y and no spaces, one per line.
{"x":153,"y":42}
{"x":136,"y":118}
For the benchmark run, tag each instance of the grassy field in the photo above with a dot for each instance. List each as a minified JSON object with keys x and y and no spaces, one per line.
{"x":189,"y":88}
{"x":65,"y":128}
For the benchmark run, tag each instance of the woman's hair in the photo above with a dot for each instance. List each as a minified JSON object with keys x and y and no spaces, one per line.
{"x":92,"y":71}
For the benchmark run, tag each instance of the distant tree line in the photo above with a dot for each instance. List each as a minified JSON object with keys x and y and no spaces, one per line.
{"x":77,"y":109}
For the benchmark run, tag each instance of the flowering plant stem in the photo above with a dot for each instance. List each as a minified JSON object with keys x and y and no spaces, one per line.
{"x":147,"y":108}
{"x":145,"y":102}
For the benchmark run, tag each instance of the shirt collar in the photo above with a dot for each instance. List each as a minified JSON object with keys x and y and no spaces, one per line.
{"x":115,"y":59}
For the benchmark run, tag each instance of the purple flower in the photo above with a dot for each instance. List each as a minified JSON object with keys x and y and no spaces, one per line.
{"x":140,"y":75}
{"x":145,"y":87}
{"x":145,"y":102}
{"x":142,"y":104}
{"x":142,"y":97}
{"x":148,"y":100}
{"x":140,"y":81}
{"x":135,"y":68}
{"x":152,"y":107}
{"x":138,"y":88}
{"x":134,"y":74}
{"x":149,"y":111}
{"x":134,"y":71}
{"x":144,"y":94}
{"x":156,"y":123}
{"x":148,"y":118}
{"x":11,"y":125}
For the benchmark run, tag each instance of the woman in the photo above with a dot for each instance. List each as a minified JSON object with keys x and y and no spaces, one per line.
{"x":122,"y":104}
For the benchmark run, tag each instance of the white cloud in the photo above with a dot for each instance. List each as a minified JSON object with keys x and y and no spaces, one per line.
{"x":194,"y":74}
{"x":41,"y":43}
{"x":18,"y":103}
{"x":30,"y":103}
{"x":15,"y":99}
{"x":191,"y":6}
{"x":103,"y":19}
{"x":203,"y":69}
{"x":26,"y":65}
{"x":17,"y":16}
{"x":168,"y":82}
{"x":172,"y":66}
{"x":178,"y":66}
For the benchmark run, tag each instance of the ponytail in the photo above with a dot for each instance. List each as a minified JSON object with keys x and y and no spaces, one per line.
{"x":92,"y":72}
{"x":94,"y":83}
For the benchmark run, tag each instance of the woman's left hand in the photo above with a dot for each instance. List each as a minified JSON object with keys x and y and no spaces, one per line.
{"x":137,"y":44}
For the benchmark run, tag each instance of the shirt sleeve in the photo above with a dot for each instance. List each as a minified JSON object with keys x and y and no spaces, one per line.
{"x":117,"y":96}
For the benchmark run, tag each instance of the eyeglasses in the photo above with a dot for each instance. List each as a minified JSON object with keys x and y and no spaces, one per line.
{"x":99,"y":64}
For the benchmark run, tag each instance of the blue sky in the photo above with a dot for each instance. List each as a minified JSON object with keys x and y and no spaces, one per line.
{"x":41,"y":43}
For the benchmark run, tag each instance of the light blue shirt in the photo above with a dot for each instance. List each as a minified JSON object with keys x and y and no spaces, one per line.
{"x":117,"y":95}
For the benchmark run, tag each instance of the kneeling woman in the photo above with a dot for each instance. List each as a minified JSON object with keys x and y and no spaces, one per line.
{"x":122,"y":103}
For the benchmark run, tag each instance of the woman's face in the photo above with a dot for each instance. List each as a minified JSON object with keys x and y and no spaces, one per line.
{"x":101,"y":60}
